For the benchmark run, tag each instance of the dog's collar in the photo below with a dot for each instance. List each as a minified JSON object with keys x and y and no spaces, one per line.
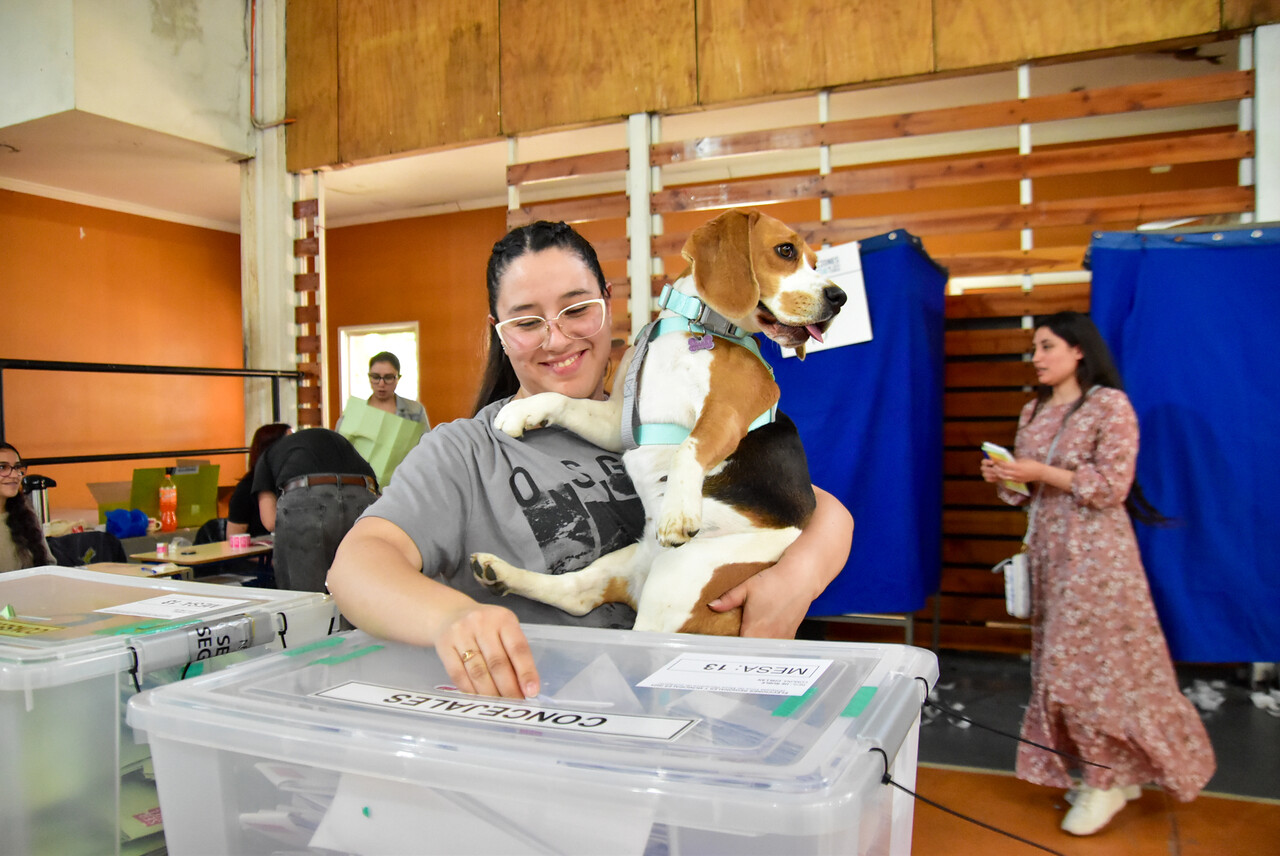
{"x":701,"y":317}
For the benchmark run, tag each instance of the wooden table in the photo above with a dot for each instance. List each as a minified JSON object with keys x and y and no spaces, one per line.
{"x":204,"y":554}
{"x":131,"y":569}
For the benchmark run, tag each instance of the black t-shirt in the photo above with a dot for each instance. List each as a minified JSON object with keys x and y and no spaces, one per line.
{"x":312,"y":451}
{"x":242,"y":508}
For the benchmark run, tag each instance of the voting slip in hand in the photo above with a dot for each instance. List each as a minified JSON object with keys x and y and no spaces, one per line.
{"x":1000,"y":453}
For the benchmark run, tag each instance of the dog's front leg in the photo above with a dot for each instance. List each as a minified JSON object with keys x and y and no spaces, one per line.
{"x":598,"y":422}
{"x":720,"y":427}
{"x":615,"y":577}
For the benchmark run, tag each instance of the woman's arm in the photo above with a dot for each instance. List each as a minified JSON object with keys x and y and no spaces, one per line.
{"x":776,"y":600}
{"x":237,"y":528}
{"x":377,"y":581}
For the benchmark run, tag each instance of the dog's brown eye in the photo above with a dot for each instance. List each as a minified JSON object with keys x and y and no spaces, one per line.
{"x":786,"y":251}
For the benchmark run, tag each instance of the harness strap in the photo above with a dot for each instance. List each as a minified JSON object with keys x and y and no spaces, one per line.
{"x":695,"y":317}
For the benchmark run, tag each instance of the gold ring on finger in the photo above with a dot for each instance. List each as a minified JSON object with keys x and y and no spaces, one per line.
{"x":468,"y":654}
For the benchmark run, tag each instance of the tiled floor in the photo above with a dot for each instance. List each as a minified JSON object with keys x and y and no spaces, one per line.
{"x":969,"y":770}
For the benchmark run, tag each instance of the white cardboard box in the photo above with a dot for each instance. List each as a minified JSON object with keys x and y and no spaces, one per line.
{"x":77,"y":645}
{"x":641,"y":743}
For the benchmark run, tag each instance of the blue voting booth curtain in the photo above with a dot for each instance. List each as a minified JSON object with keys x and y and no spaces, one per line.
{"x":1193,"y":321}
{"x":870,"y":417}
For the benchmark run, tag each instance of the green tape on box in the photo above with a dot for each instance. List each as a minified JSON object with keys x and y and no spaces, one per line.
{"x":859,"y":702}
{"x":794,"y":703}
{"x":327,"y":642}
{"x":342,"y":658}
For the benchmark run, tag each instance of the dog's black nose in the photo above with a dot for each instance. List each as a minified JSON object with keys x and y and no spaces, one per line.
{"x":835,"y":296}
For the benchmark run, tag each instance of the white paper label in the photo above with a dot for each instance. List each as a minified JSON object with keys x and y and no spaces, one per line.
{"x":782,"y":676}
{"x":509,"y":711}
{"x":172,"y":606}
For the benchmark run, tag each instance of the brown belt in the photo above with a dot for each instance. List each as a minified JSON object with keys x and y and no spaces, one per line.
{"x":304,"y":481}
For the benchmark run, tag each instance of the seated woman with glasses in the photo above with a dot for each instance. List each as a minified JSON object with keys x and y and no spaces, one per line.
{"x":384,"y":374}
{"x":22,"y":543}
{"x":549,"y":500}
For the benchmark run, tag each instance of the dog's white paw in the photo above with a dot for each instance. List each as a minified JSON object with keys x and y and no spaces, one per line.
{"x":489,"y":571}
{"x":678,"y":522}
{"x":520,"y":415}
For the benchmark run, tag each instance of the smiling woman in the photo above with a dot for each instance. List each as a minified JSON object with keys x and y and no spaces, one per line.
{"x":22,"y":543}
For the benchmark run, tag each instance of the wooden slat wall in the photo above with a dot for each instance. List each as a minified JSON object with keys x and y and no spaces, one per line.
{"x":935,"y":197}
{"x":986,"y":383}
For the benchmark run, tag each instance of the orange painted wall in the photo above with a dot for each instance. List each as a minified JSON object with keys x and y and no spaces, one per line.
{"x":426,"y":269}
{"x":89,"y":285}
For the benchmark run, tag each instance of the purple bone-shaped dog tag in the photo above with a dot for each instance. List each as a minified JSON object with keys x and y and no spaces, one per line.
{"x":705,"y":342}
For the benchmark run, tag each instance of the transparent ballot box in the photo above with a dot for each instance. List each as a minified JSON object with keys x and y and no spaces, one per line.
{"x":640,"y":743}
{"x":75,"y":645}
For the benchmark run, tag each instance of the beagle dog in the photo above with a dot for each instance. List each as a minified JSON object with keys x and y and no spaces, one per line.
{"x":721,"y":474}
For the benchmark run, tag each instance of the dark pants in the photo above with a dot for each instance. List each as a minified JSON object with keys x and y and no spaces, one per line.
{"x":310,"y":522}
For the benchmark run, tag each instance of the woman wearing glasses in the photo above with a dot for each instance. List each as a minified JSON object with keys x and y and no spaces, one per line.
{"x":384,"y":375}
{"x":22,"y":543}
{"x":548,"y":500}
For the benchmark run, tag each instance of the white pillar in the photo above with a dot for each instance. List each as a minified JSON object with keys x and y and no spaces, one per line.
{"x":266,"y":233}
{"x":1266,"y":121}
{"x":639,"y":223}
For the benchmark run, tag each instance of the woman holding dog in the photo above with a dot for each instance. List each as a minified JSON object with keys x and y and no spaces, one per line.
{"x":549,"y":499}
{"x":1103,"y":686}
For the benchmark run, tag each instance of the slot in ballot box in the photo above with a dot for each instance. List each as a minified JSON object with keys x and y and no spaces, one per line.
{"x":74,"y":646}
{"x":640,"y":743}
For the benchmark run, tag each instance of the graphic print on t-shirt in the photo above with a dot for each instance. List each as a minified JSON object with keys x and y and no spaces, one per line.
{"x":570,"y":519}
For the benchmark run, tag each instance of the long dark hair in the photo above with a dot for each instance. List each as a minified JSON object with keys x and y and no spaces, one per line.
{"x":499,"y":380}
{"x":263,"y":438}
{"x":1096,"y":368}
{"x":24,"y":525}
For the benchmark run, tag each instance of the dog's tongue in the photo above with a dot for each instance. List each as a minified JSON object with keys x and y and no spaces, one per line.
{"x":814,"y":332}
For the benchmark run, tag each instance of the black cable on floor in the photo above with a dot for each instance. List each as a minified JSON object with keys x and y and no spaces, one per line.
{"x":888,"y":780}
{"x":949,"y":712}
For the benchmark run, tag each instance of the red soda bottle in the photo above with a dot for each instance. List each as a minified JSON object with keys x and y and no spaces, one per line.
{"x":168,"y":504}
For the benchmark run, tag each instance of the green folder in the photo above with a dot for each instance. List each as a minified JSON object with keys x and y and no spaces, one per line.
{"x":381,"y":438}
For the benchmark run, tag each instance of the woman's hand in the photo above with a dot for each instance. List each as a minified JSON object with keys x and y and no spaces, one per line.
{"x":485,"y":652}
{"x":776,"y":600}
{"x":1018,"y":470}
{"x":377,"y":581}
{"x":773,"y":605}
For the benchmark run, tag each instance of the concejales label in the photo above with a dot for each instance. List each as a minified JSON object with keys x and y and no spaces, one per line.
{"x":509,"y":712}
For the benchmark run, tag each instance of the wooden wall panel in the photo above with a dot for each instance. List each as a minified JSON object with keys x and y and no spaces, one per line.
{"x":574,"y":61}
{"x":311,"y":84}
{"x":1238,"y":14}
{"x":977,"y":33}
{"x":749,"y":49}
{"x":416,"y":75}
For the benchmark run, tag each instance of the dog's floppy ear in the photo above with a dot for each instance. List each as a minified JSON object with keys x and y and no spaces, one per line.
{"x":719,"y":253}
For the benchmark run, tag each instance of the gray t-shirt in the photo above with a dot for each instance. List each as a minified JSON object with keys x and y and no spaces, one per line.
{"x":550,"y":502}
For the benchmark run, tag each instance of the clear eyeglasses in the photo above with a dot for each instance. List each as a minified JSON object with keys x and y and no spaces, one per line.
{"x":579,"y":321}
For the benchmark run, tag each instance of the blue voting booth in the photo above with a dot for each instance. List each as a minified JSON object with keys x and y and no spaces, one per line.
{"x":870,"y":417}
{"x":1192,"y":319}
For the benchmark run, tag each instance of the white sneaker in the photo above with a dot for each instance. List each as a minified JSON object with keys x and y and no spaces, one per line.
{"x":1093,"y":810}
{"x":1131,"y":793}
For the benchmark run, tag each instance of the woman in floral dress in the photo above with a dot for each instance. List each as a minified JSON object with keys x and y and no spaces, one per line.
{"x":1103,"y":687}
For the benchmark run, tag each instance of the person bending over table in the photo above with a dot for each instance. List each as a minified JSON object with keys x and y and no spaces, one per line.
{"x":311,"y":487}
{"x":243,"y":516}
{"x":549,"y":499}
